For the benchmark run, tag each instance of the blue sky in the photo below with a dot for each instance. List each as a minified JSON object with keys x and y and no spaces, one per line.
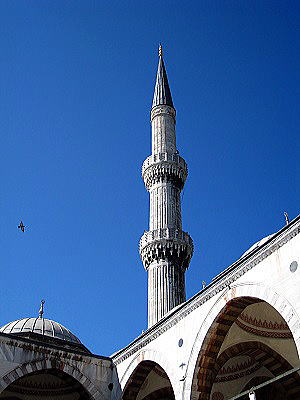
{"x":77,"y":80}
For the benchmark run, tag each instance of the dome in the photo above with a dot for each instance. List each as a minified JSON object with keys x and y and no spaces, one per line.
{"x":257,"y":244}
{"x":40,"y":326}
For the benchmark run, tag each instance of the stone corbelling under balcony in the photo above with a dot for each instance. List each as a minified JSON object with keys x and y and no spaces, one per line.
{"x":166,"y":244}
{"x":164,"y":167}
{"x":230,"y":275}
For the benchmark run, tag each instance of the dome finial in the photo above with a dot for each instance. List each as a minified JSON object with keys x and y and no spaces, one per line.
{"x":41,"y":311}
{"x":160,"y":50}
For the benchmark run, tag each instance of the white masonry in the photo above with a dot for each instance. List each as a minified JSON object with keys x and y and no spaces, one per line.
{"x":165,"y":249}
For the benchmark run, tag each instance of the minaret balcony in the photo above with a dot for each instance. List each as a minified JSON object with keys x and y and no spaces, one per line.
{"x":164,"y":167}
{"x":166,"y":244}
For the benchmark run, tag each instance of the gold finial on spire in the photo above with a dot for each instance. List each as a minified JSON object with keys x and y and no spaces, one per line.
{"x":160,"y":51}
{"x":41,"y":311}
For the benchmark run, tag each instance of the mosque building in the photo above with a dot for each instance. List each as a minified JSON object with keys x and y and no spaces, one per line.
{"x":239,"y":337}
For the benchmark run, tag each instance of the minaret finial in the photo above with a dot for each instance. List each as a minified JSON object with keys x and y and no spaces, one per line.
{"x":160,"y":50}
{"x":41,"y":311}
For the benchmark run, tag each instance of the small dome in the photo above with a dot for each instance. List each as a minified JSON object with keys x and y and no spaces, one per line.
{"x":40,"y":326}
{"x":257,"y":244}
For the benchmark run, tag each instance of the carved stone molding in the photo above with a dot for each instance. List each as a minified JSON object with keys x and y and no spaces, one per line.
{"x":258,"y":323}
{"x":164,"y":167}
{"x":52,"y":354}
{"x":239,"y":366}
{"x":260,"y":332}
{"x":162,"y":109}
{"x":167,"y":244}
{"x":238,"y":375}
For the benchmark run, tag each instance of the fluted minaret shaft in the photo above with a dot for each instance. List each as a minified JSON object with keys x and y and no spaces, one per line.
{"x":163,"y":130}
{"x":165,"y":249}
{"x":165,"y":202}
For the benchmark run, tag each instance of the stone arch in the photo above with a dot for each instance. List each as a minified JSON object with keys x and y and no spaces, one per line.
{"x":44,"y":365}
{"x":265,"y":356}
{"x":138,"y":372}
{"x":148,"y":355}
{"x":233,"y":300}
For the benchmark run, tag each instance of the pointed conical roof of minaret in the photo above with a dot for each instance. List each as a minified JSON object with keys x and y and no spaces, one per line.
{"x":162,"y":93}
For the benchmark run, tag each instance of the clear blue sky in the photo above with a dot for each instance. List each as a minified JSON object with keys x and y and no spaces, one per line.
{"x":77,"y":81}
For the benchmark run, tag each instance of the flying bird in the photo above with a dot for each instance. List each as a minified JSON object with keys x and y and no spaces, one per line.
{"x":22,"y":226}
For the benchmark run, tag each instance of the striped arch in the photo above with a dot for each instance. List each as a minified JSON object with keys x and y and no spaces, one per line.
{"x":137,"y":372}
{"x":44,"y":365}
{"x":266,"y":357}
{"x":213,"y":342}
{"x":138,"y":378}
{"x":216,"y":325}
{"x":148,"y":355}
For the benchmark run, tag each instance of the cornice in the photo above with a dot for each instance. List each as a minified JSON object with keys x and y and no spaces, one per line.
{"x":51,"y":351}
{"x":221,"y":282}
{"x":239,"y":374}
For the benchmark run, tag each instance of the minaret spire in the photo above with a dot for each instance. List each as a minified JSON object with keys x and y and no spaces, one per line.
{"x":162,"y":92}
{"x":165,"y":249}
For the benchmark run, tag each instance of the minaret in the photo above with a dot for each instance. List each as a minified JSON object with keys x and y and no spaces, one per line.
{"x":165,"y":249}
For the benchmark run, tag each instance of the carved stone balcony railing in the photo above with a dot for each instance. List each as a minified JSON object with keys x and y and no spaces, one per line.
{"x":164,"y":167}
{"x":166,"y":244}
